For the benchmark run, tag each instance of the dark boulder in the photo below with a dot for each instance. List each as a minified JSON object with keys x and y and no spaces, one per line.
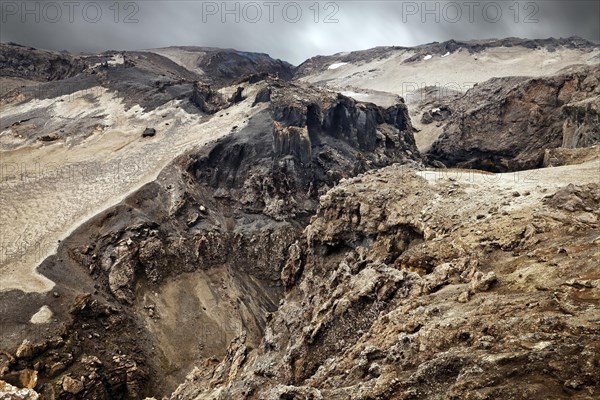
{"x":149,"y":132}
{"x":263,"y":96}
{"x":238,"y":96}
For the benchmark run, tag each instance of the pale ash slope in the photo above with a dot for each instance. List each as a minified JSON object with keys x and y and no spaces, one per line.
{"x":217,"y":66}
{"x":459,"y":70}
{"x":442,"y":284}
{"x":47,"y":190}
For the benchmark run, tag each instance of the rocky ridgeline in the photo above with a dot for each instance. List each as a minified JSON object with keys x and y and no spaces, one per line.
{"x":141,"y":78}
{"x":319,"y":63}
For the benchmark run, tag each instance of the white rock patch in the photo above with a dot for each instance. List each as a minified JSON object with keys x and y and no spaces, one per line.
{"x":117,"y":59}
{"x":336,"y":65}
{"x":427,"y":57}
{"x":43,"y":316}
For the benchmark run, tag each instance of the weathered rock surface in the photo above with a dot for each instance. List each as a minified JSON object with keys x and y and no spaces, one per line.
{"x":206,"y":99}
{"x":226,"y":65}
{"x":240,"y":259}
{"x":220,"y":67}
{"x":565,"y":156}
{"x":10,"y":392}
{"x":506,"y":124}
{"x":407,"y":290}
{"x":582,"y":122}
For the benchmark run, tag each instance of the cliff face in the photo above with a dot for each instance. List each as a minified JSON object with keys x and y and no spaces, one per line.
{"x":507,"y":124}
{"x":431,"y":285}
{"x":582,"y":123}
{"x":185,"y":264}
{"x":308,"y":140}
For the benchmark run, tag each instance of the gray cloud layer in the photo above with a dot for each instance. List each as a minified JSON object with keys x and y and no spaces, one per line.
{"x":293,"y":31}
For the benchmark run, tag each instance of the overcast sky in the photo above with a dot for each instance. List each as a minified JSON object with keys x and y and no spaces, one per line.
{"x":292,"y":31}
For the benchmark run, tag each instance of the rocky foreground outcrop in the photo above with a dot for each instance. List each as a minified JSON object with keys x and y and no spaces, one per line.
{"x":181,"y":267}
{"x":506,"y":124}
{"x":436,"y":284}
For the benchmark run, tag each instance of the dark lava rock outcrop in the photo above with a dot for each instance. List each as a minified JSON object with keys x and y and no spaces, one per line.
{"x":223,"y":66}
{"x":506,"y":124}
{"x":207,"y":99}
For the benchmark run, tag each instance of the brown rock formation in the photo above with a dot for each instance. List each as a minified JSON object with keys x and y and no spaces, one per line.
{"x":506,"y":124}
{"x":407,"y":290}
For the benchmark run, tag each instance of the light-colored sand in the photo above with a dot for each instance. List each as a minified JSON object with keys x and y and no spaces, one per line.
{"x":200,"y":314}
{"x":46,"y":191}
{"x":531,"y":185}
{"x":427,"y":134}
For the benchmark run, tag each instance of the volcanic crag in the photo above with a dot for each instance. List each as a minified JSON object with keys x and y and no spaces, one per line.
{"x":272,"y":238}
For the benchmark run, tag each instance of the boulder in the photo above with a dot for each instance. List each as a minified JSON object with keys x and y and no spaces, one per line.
{"x":149,"y":132}
{"x":73,"y":386}
{"x":507,"y":124}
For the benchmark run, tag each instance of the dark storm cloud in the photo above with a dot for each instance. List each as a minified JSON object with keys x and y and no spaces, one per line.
{"x":292,"y":31}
